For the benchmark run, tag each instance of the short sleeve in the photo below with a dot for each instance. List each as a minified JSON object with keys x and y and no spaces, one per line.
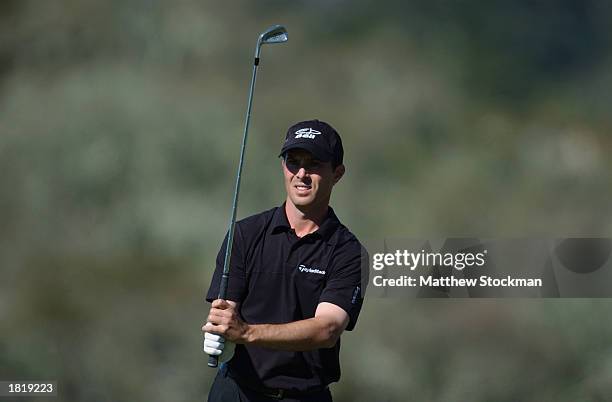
{"x":346,"y":284}
{"x":236,"y":285}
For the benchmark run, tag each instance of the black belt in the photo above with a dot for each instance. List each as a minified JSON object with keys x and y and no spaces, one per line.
{"x":276,"y":393}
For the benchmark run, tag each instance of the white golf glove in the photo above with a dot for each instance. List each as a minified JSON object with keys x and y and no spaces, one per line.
{"x":215,"y":345}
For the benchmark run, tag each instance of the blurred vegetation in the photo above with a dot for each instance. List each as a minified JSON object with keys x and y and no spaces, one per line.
{"x":120,"y":127}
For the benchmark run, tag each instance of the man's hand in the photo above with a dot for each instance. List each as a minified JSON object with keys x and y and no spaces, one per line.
{"x":215,"y":345}
{"x":223,"y":319}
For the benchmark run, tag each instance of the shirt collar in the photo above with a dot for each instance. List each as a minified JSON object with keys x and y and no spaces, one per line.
{"x":280,"y":223}
{"x":279,"y":220}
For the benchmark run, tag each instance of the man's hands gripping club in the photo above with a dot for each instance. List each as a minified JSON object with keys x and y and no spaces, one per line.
{"x":224,"y":328}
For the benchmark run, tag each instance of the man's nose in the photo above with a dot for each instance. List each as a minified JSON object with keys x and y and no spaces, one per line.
{"x":301,"y":172}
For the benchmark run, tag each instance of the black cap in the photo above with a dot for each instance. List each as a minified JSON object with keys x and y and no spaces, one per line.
{"x":316,"y":137}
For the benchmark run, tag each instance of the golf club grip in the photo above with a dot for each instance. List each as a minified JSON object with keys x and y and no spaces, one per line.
{"x":223,"y":286}
{"x":213,"y":361}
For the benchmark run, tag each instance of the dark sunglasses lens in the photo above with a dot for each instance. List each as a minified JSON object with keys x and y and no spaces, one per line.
{"x":292,"y":165}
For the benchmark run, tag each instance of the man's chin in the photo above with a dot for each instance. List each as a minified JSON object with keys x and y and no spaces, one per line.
{"x":302,"y":202}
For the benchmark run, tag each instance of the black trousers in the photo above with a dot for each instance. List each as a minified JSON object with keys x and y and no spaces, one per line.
{"x":225,"y":389}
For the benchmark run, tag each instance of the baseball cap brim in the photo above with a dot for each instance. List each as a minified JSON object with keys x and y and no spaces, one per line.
{"x":320,"y":153}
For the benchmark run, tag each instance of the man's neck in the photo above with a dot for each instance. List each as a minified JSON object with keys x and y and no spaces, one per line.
{"x":303,"y":220}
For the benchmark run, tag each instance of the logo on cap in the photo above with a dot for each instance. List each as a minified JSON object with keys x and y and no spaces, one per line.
{"x":306,"y":133}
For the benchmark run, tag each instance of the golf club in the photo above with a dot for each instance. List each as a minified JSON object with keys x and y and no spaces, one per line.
{"x":274,"y":34}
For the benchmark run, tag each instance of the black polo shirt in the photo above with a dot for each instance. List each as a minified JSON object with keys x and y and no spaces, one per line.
{"x":279,"y":278}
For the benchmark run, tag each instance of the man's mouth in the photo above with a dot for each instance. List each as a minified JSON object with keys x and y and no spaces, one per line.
{"x":302,"y":187}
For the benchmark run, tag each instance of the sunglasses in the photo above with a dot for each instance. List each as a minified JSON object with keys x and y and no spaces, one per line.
{"x":294,"y":164}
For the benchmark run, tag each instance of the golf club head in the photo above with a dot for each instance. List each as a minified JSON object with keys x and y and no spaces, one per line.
{"x":274,"y":34}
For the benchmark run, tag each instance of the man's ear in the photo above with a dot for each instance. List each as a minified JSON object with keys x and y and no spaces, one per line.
{"x":338,"y":173}
{"x":282,"y":161}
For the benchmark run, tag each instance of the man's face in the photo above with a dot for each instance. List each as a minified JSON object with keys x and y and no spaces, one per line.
{"x":308,"y":181}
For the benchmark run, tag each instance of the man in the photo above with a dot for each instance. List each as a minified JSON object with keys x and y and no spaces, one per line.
{"x":294,"y":286}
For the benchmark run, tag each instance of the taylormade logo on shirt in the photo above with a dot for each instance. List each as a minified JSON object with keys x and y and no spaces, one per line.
{"x":306,"y":133}
{"x":304,"y":268}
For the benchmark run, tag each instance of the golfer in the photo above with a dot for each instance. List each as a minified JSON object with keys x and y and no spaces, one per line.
{"x":294,"y":285}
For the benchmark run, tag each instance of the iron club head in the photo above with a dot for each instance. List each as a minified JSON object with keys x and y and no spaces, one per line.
{"x":274,"y":34}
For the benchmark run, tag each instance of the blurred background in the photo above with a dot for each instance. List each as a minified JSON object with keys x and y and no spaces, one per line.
{"x":120,"y":128}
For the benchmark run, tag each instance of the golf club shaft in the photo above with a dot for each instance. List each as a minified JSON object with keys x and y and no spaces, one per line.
{"x":213,"y":360}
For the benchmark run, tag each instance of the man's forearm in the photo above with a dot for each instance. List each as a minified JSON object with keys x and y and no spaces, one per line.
{"x":320,"y":331}
{"x":303,"y":335}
